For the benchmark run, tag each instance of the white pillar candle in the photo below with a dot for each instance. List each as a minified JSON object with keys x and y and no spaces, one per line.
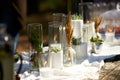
{"x":77,"y":26}
{"x":55,"y":57}
{"x":109,"y":36}
{"x":81,"y":51}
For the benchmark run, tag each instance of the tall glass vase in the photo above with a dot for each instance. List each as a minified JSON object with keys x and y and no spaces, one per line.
{"x":69,"y":52}
{"x":55,"y":46}
{"x":35,"y":36}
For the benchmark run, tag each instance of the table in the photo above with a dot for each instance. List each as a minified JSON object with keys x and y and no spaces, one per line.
{"x":91,"y":68}
{"x":110,"y":71}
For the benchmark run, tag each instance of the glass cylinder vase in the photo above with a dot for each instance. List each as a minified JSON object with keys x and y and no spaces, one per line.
{"x":69,"y":52}
{"x":55,"y":45}
{"x":35,"y":36}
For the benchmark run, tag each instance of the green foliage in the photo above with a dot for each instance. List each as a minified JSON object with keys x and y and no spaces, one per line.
{"x":34,"y":58}
{"x":54,"y":49}
{"x":77,"y":16}
{"x":76,"y":41}
{"x":96,"y":39}
{"x":36,"y":65}
{"x":36,"y":41}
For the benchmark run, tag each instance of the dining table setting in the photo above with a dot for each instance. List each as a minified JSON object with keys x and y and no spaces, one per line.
{"x":75,"y":50}
{"x":87,"y":69}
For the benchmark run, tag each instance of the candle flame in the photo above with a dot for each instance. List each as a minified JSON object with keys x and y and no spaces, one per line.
{"x":87,"y":21}
{"x":55,"y":38}
{"x":110,"y":30}
{"x":44,"y":64}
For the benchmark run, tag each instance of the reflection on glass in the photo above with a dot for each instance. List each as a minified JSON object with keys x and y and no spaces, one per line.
{"x":55,"y":44}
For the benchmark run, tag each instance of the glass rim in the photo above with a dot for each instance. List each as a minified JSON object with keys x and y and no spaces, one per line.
{"x":38,"y":24}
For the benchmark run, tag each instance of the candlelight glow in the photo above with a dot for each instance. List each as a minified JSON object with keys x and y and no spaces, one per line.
{"x":110,"y":30}
{"x":55,"y":38}
{"x":45,"y":63}
{"x":87,"y":21}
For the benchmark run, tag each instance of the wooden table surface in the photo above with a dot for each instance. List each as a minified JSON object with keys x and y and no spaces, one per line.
{"x":110,"y":71}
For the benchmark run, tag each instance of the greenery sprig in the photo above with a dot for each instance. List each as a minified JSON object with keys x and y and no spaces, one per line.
{"x":54,"y":49}
{"x":35,"y":41}
{"x":96,"y":39}
{"x":77,"y":17}
{"x":76,"y":41}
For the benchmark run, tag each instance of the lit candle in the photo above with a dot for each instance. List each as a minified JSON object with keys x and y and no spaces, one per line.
{"x":109,"y":36}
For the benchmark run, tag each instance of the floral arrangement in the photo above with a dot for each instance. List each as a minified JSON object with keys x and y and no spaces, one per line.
{"x":97,"y":21}
{"x":69,"y":32}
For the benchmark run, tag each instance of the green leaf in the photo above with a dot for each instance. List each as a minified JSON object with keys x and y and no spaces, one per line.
{"x":96,"y":39}
{"x":54,"y":49}
{"x":77,"y":16}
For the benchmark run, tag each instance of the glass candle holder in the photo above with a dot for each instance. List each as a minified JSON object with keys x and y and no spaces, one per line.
{"x":35,"y":36}
{"x":54,"y":32}
{"x":55,"y":45}
{"x":110,"y":31}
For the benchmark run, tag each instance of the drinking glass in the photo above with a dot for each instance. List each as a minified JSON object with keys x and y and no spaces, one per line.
{"x":110,"y":31}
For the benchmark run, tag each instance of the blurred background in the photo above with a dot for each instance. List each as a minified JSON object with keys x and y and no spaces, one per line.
{"x":40,"y":11}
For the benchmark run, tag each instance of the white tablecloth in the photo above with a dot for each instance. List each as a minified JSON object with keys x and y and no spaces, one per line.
{"x":88,"y":69}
